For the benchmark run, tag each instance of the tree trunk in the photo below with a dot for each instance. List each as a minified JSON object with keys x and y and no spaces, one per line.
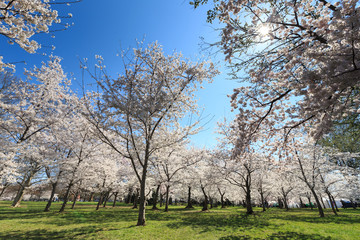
{"x":322,"y":201}
{"x":205,"y":206}
{"x":156,"y":198}
{"x":4,"y":188}
{"x":222,"y":198}
{"x":128,"y":198}
{"x":105,"y":199}
{"x":141,"y":218}
{"x":136,"y":198}
{"x":222,"y":201}
{"x":280,"y":203}
{"x":167,"y":198}
{"x":18,"y":197}
{"x":321,"y":211}
{"x":189,"y":204}
{"x":331,"y":202}
{"x":20,"y":193}
{"x":249,"y":209}
{"x":333,"y":199}
{"x":53,"y":190}
{"x":66,"y":197}
{"x":309,"y":199}
{"x":285,"y":199}
{"x":301,"y":203}
{"x":91,"y":197}
{"x":353,"y":204}
{"x":161,"y":199}
{"x":108,"y":196}
{"x":115,"y":197}
{"x":211,"y":202}
{"x":262,"y":200}
{"x":75,"y":199}
{"x":100,"y":200}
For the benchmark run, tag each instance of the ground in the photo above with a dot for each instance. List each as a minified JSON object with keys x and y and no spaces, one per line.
{"x":30,"y":222}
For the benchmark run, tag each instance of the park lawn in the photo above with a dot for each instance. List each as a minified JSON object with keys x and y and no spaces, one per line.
{"x":29,"y":222}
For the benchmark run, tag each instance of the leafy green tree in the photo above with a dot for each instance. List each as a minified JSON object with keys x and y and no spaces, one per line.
{"x":345,"y":137}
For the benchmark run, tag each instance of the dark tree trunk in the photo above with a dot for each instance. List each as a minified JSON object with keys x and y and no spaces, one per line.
{"x":66,"y":197}
{"x":331,"y":202}
{"x":167,"y":198}
{"x":322,"y":201}
{"x":136,"y":199}
{"x":205,"y":206}
{"x":115,"y":198}
{"x":53,"y":190}
{"x":189,"y":204}
{"x":286,"y":204}
{"x":4,"y":188}
{"x":106,"y":199}
{"x":75,"y":199}
{"x":222,"y":201}
{"x":18,"y":197}
{"x":91,"y":197}
{"x":280,"y":203}
{"x":262,"y":200}
{"x":211,"y":202}
{"x":249,"y":209}
{"x":156,"y":197}
{"x":353,"y":204}
{"x":20,"y":193}
{"x":309,"y":200}
{"x":333,"y":199}
{"x":161,"y":199}
{"x":285,"y":199}
{"x":320,"y":209}
{"x":222,"y":198}
{"x":141,"y":217}
{"x":100,"y":201}
{"x":128,"y":198}
{"x":301,"y":203}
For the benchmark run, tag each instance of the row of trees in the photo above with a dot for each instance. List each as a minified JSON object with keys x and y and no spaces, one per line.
{"x":301,"y":75}
{"x":298,"y":62}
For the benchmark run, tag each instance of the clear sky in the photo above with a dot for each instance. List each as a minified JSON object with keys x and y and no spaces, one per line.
{"x":102,"y":27}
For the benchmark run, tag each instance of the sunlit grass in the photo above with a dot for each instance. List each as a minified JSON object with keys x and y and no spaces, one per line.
{"x":84,"y":222}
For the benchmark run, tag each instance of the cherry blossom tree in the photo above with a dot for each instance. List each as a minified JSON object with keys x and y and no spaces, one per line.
{"x":298,"y":61}
{"x":204,"y":179}
{"x":189,"y":183}
{"x":20,"y":20}
{"x":29,"y":109}
{"x":54,"y":169}
{"x":310,"y":161}
{"x":155,"y":91}
{"x":239,"y":167}
{"x":170,"y":162}
{"x":84,"y":152}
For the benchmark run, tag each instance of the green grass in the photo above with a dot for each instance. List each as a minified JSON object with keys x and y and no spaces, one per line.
{"x":29,"y":222}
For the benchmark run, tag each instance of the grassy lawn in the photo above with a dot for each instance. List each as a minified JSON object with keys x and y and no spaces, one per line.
{"x":29,"y":222}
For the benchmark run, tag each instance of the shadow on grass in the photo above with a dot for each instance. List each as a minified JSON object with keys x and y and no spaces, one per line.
{"x":280,"y":236}
{"x":93,"y":216}
{"x":43,"y":234}
{"x":215,"y":221}
{"x":77,"y":215}
{"x":311,"y":216}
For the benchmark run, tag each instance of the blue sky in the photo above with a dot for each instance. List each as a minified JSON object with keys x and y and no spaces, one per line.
{"x":103,"y":27}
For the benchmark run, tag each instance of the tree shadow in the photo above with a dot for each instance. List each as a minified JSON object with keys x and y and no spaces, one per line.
{"x":312,"y":217}
{"x":280,"y":236}
{"x":215,"y":221}
{"x":42,"y":234}
{"x":101,"y":216}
